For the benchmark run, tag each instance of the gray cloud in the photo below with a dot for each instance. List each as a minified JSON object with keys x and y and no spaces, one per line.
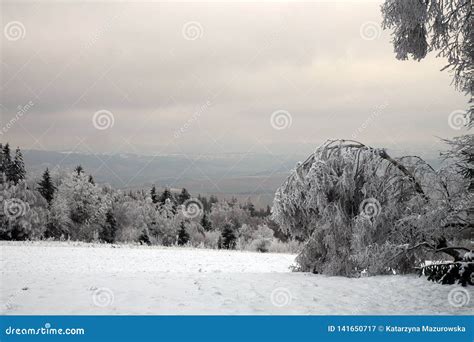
{"x":251,"y":60}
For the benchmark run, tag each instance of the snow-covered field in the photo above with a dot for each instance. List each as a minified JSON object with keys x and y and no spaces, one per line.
{"x":66,"y":278}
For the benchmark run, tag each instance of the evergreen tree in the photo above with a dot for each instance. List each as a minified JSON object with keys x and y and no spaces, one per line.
{"x":228,"y":237}
{"x":183,"y":236}
{"x":2,"y":171}
{"x":79,"y":169}
{"x":17,"y":168}
{"x":6,"y":156}
{"x":7,"y":162}
{"x":183,"y":196}
{"x":251,"y":208}
{"x":213,"y":199}
{"x":107,"y":233}
{"x":205,"y":203}
{"x":154,"y":195}
{"x":46,"y":187}
{"x":206,"y":223}
{"x":166,"y":195}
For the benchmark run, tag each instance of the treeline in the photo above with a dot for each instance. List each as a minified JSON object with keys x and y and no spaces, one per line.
{"x":71,"y":206}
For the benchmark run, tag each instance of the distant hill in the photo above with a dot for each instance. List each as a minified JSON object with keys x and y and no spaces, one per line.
{"x":244,"y":176}
{"x":254,"y":176}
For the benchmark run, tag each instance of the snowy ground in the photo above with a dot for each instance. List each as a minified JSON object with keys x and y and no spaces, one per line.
{"x":65,"y":278}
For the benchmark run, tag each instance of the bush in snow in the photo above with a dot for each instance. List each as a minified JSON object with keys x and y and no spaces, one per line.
{"x":258,"y":240}
{"x":461,"y":272}
{"x":290,"y":246}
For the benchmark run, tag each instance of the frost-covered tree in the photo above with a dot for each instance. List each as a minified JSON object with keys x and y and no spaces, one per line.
{"x":461,"y":153}
{"x":23,"y":213}
{"x":7,"y":163}
{"x":444,"y":26}
{"x":17,"y":168}
{"x":358,"y":208}
{"x":133,"y":216}
{"x":164,"y":225}
{"x":11,"y":170}
{"x":79,"y":207}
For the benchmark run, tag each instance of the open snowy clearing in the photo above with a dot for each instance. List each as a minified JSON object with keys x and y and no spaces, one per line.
{"x":67,"y":278}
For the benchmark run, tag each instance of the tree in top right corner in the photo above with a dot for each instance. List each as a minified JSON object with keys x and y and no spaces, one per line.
{"x":445,"y":26}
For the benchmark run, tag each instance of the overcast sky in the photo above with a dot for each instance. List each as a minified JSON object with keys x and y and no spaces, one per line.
{"x":206,"y":78}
